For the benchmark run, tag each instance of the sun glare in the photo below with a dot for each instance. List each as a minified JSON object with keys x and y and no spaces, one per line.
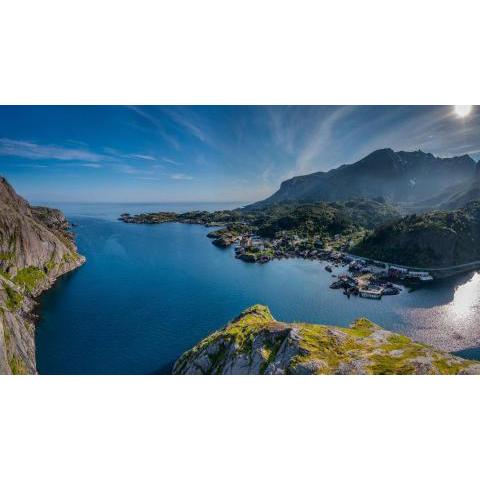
{"x":462,"y":110}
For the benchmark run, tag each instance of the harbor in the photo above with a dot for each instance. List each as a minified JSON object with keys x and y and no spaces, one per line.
{"x":359,"y":277}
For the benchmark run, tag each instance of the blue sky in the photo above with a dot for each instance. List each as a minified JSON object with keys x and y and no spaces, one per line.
{"x":206,"y":153}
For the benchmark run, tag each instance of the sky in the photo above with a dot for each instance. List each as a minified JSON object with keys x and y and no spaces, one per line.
{"x":207,"y":153}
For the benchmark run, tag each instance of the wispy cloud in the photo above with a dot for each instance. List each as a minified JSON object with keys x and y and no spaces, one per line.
{"x":150,"y":158}
{"x":187,"y":121}
{"x":181,"y":176}
{"x":129,"y":170}
{"x":319,"y":141}
{"x":146,"y":178}
{"x":90,"y":165}
{"x":169,"y":160}
{"x":157,"y":124}
{"x":36,"y":151}
{"x":140,"y":156}
{"x":82,"y":157}
{"x":284,"y":127}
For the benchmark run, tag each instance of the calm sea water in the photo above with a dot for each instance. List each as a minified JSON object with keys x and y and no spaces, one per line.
{"x":149,"y":292}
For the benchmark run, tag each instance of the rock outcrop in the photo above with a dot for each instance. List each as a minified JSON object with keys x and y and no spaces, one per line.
{"x":255,"y":343}
{"x":35,"y":249}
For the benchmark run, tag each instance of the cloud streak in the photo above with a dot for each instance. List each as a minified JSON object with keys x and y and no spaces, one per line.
{"x":192,"y":126}
{"x":320,"y":140}
{"x":157,"y":124}
{"x":181,"y":176}
{"x":35,"y":151}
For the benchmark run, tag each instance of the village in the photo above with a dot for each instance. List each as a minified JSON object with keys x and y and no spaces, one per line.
{"x":353,"y":275}
{"x":356,"y":276}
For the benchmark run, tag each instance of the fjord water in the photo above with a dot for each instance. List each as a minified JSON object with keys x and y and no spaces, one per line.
{"x":149,"y":292}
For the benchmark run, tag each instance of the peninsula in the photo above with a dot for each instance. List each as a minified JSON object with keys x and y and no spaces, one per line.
{"x":310,"y":230}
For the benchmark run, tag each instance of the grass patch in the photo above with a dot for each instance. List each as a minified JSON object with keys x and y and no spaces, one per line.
{"x":14,"y":299}
{"x":388,"y":365}
{"x":50,"y":265}
{"x":70,"y":257}
{"x":7,"y":256}
{"x":361,"y":328}
{"x":447,"y":367}
{"x":17,"y":366}
{"x":29,"y":278}
{"x":244,"y":329}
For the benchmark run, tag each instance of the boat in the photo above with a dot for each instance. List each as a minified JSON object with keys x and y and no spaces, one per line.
{"x":374,"y":293}
{"x":391,"y":291}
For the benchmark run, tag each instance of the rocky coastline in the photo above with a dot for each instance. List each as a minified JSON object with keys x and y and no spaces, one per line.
{"x":36,"y":247}
{"x":245,"y":231}
{"x":242,"y":231}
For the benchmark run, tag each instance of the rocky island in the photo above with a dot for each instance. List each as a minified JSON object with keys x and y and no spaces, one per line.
{"x":36,"y":247}
{"x":255,"y":343}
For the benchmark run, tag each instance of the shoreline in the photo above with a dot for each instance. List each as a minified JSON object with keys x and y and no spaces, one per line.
{"x":366,"y":278}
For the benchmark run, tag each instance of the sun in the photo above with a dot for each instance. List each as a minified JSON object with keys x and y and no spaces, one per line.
{"x":462,"y":110}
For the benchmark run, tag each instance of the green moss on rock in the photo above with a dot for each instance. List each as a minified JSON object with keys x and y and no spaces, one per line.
{"x":14,"y":299}
{"x":29,"y":278}
{"x":17,"y":366}
{"x":71,"y":257}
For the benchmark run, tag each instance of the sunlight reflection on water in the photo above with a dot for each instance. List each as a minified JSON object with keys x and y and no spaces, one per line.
{"x":464,"y":307}
{"x":454,"y":324}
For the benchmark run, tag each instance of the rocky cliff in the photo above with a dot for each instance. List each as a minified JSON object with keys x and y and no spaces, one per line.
{"x":35,"y":249}
{"x":255,"y":343}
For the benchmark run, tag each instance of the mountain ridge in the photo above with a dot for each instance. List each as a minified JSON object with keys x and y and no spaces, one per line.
{"x":398,"y":177}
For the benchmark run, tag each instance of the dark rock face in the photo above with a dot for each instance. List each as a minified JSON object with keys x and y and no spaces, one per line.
{"x":35,"y":249}
{"x":254,"y":343}
{"x":398,"y":177}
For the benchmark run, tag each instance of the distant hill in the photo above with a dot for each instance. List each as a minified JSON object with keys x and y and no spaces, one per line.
{"x":433,"y":239}
{"x":331,"y":218}
{"x":397,"y":177}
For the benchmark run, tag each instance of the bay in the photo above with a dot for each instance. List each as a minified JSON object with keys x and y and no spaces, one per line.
{"x":147,"y":293}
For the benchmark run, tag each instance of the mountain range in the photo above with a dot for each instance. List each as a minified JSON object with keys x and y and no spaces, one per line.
{"x":415,"y":180}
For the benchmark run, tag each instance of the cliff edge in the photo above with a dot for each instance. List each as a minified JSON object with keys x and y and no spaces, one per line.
{"x":36,"y":247}
{"x":255,"y":343}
